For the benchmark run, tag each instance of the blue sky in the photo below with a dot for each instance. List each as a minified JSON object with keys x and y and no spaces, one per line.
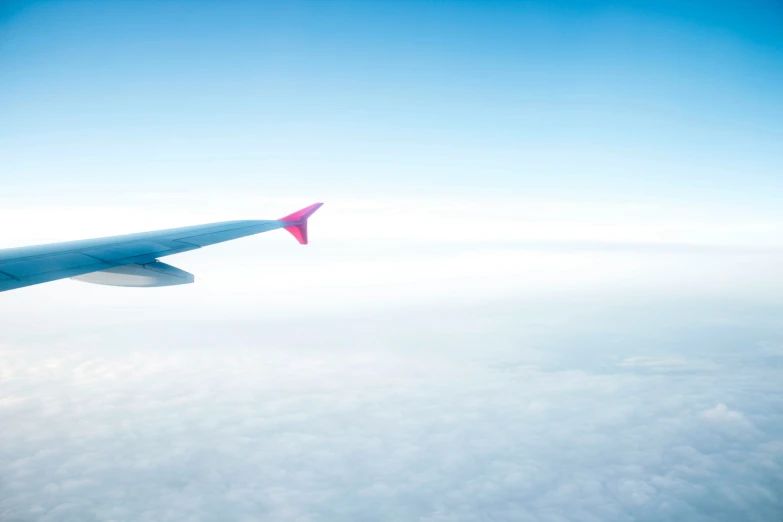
{"x":545,"y":285}
{"x":581,"y":99}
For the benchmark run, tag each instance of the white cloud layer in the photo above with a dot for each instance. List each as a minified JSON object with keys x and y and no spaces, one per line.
{"x":450,"y":416}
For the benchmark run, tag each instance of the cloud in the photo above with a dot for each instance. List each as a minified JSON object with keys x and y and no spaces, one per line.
{"x":721,"y":413}
{"x":653,"y":362}
{"x":372,"y":419}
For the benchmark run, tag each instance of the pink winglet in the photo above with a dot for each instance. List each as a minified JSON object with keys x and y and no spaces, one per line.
{"x":298,"y":226}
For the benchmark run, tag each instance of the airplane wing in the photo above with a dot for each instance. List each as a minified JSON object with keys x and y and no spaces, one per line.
{"x":132,"y":260}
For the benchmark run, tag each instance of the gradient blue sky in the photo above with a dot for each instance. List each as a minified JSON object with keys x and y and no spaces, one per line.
{"x":596,"y":99}
{"x":545,"y":285}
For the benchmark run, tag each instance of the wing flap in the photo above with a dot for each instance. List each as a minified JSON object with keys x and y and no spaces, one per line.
{"x":11,"y":284}
{"x":124,"y":250}
{"x":41,"y":265}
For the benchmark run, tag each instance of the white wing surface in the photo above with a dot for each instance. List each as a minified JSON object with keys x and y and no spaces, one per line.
{"x":139,"y":253}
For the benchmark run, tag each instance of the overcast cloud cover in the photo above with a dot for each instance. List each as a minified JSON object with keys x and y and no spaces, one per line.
{"x":512,"y":411}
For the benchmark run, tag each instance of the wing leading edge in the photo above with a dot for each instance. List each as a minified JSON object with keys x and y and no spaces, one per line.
{"x":26,"y":266}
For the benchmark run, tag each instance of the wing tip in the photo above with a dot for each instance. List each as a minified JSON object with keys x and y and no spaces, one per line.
{"x":298,"y":220}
